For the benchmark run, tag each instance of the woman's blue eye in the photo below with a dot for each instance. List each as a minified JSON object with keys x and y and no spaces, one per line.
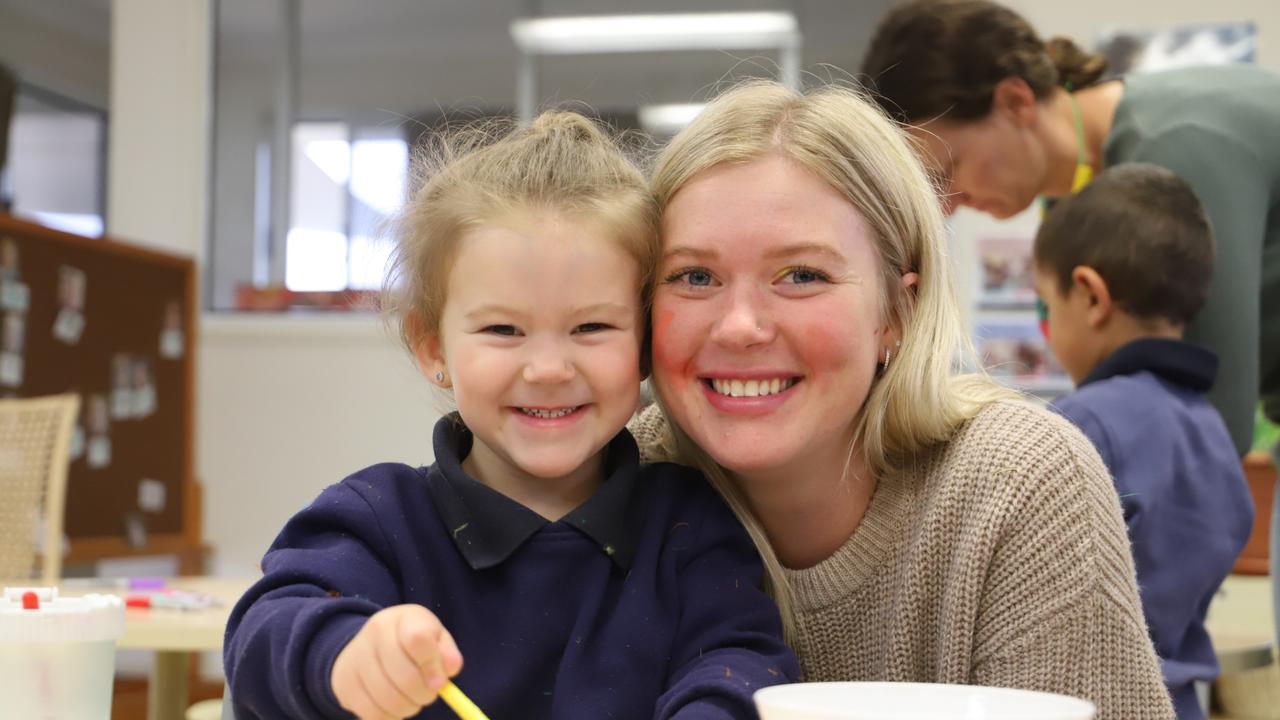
{"x":693,"y":276}
{"x":803,"y":276}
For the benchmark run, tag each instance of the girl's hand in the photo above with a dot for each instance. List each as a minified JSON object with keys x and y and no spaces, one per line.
{"x":395,"y":665}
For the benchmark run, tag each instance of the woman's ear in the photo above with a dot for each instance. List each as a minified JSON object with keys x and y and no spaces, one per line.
{"x":1015,"y":98}
{"x":909,"y":287}
{"x":911,"y":284}
{"x":1094,"y":293}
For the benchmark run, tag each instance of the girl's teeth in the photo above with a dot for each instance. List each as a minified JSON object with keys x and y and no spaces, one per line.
{"x":534,"y":412}
{"x":751,"y":388}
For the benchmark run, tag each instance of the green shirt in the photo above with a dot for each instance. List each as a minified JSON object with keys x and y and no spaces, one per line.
{"x":1219,"y":129}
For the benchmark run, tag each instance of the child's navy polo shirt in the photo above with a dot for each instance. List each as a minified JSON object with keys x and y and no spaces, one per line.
{"x":644,"y":602}
{"x":1186,"y":503}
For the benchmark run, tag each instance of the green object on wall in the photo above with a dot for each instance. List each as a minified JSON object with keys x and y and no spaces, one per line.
{"x":1266,"y":434}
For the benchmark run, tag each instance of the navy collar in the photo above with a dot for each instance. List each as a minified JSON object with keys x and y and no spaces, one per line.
{"x":1177,"y":361}
{"x":487,"y":526}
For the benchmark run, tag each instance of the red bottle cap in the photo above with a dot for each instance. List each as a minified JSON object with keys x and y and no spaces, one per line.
{"x":30,"y":601}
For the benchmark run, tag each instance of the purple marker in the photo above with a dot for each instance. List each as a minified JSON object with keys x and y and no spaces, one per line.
{"x":146,"y":583}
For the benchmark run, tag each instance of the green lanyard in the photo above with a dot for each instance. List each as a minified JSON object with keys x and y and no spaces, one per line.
{"x":1084,"y":171}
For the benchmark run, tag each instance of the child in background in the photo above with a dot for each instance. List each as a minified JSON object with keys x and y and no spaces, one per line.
{"x":1122,"y":267}
{"x":575,"y":583}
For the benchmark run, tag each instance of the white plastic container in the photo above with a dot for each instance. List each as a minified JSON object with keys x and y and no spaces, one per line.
{"x":57,"y":661}
{"x":913,"y":701}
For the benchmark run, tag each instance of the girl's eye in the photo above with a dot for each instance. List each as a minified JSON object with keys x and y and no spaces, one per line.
{"x":804,"y":276}
{"x":508,"y":330}
{"x":591,"y":327}
{"x":697,"y":277}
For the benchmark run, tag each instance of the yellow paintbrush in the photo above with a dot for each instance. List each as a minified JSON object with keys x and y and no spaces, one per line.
{"x":460,"y":704}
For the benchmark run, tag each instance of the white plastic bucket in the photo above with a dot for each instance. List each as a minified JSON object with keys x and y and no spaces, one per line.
{"x":57,"y":661}
{"x":913,"y":701}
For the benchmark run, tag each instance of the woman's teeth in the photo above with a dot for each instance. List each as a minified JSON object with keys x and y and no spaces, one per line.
{"x":535,"y":412}
{"x":751,"y":388}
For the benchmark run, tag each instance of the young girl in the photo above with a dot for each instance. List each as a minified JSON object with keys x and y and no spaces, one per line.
{"x":574,"y":582}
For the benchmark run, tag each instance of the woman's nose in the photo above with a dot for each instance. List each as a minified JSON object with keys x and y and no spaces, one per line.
{"x":745,"y":322}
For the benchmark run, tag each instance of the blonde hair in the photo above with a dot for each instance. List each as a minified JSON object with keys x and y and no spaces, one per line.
{"x":562,"y":163}
{"x":924,"y":394}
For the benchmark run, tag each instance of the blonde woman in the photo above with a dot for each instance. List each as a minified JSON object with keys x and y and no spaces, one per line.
{"x":920,"y":524}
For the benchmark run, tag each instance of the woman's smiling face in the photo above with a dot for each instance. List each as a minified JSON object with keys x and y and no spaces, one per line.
{"x":767,"y":319}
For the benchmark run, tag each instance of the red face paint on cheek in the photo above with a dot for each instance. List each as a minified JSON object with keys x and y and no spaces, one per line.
{"x":672,"y":353}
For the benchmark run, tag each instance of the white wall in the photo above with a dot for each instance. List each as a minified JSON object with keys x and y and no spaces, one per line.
{"x":159,"y":128}
{"x":290,"y":405}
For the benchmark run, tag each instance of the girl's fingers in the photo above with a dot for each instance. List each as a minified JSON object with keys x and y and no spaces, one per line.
{"x":450,"y":656}
{"x":386,"y":697}
{"x":419,"y":636}
{"x":405,"y":674}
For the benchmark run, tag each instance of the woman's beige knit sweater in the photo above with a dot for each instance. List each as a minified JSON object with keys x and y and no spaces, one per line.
{"x":998,"y":558}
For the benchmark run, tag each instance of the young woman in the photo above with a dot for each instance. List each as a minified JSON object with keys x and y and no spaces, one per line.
{"x":919,"y":524}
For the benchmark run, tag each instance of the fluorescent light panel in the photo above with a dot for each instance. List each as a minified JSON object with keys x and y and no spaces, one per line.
{"x":668,"y":119}
{"x":651,"y":33}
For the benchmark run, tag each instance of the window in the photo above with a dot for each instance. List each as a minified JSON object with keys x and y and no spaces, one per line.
{"x":57,"y":161}
{"x":345,"y":185}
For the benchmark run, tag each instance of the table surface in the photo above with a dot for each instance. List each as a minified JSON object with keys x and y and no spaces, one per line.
{"x":171,"y":629}
{"x":1241,"y":624}
{"x":1239,"y":621}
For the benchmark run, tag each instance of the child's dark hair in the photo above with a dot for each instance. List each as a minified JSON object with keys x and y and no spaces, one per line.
{"x":1142,"y":228}
{"x":561,"y":163}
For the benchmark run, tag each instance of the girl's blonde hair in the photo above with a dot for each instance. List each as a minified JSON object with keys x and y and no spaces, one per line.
{"x":562,"y":163}
{"x":924,"y":394}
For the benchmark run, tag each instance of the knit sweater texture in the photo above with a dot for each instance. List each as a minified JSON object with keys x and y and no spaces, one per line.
{"x":997,"y":558}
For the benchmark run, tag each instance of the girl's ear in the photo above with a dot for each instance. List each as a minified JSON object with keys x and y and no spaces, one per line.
{"x":430,"y":354}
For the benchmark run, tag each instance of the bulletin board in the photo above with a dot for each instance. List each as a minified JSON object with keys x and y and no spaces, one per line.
{"x":112,"y":322}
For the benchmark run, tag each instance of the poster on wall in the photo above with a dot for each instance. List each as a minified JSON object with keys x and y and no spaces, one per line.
{"x":1004,"y":269}
{"x":1147,"y":49}
{"x":1013,"y":349}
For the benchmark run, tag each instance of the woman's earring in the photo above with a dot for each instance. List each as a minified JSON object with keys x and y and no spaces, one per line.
{"x":888,"y":353}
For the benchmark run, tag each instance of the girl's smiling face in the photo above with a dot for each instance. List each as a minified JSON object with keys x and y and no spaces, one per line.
{"x":540,"y":339}
{"x":767,"y":318}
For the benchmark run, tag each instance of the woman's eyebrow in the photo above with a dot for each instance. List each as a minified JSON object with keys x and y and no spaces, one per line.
{"x":687,"y":251}
{"x":805,"y":249}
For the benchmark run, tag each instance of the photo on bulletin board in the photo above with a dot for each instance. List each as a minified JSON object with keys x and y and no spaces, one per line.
{"x":1013,"y":350}
{"x":69,"y":325}
{"x":1147,"y":49}
{"x":1004,"y":270}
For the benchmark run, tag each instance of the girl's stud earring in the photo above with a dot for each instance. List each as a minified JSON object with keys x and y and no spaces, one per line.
{"x":439,"y":377}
